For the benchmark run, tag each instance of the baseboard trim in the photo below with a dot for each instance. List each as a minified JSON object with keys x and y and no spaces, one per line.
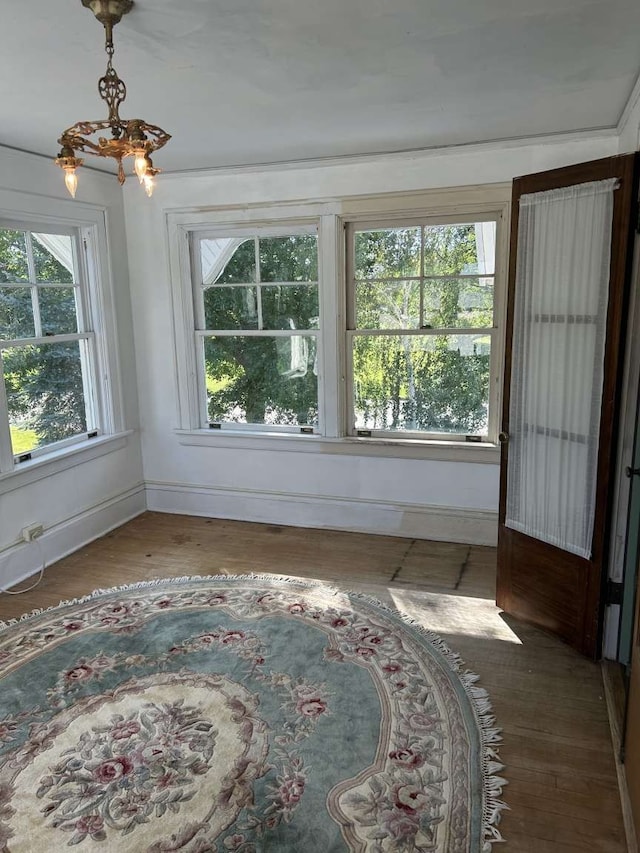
{"x":361,"y":515}
{"x":24,"y":559}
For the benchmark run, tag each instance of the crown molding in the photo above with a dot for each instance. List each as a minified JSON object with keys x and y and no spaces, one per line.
{"x":630,"y":105}
{"x":559,"y":138}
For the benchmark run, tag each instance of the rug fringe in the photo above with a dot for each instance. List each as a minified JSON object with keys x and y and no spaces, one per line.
{"x":491,"y":735}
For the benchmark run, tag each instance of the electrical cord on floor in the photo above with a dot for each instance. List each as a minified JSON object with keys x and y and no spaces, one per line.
{"x":40,"y":575}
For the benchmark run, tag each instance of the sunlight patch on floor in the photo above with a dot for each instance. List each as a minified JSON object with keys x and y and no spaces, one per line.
{"x":454,"y":614}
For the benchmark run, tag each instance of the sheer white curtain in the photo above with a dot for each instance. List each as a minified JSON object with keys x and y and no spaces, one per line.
{"x":562,"y":283}
{"x":60,"y":247}
{"x":215,"y":254}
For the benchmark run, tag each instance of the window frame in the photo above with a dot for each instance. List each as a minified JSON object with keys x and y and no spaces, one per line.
{"x":201,"y":332}
{"x":352,"y":227}
{"x":332,"y":216}
{"x":96,"y":325}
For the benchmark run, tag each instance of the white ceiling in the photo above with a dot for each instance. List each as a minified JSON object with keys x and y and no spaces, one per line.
{"x":257,"y":81}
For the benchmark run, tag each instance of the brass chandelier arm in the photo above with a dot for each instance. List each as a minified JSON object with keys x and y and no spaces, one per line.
{"x":149,"y":136}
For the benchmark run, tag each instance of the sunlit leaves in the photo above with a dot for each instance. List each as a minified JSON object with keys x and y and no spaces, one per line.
{"x":293,"y":258}
{"x":413,"y":279}
{"x":264,"y":379}
{"x":431,"y":384}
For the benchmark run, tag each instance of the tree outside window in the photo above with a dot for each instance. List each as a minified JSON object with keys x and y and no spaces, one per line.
{"x":422,"y":328}
{"x":44,"y":345}
{"x":257,"y":304}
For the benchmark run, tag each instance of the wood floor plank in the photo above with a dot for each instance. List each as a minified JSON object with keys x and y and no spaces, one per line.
{"x":573,"y":804}
{"x":563,"y":791}
{"x":587,"y":836}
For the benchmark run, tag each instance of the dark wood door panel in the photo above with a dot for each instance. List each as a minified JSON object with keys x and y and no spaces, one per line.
{"x":538,"y":582}
{"x":537,"y":592}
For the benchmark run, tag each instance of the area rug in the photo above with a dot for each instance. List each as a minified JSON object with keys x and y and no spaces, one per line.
{"x":244,"y":714}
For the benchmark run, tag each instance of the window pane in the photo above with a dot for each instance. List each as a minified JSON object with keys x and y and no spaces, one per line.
{"x":458,"y":302}
{"x":433,"y":383}
{"x":228,"y":261}
{"x":466,"y":249}
{"x":386,"y":305}
{"x":53,"y":258}
{"x":16,"y":313}
{"x":293,"y":258}
{"x":290,"y":307}
{"x":230,"y":307}
{"x":44,"y":393}
{"x":389,"y":253}
{"x":13,"y":256}
{"x":57,"y":310}
{"x":262,"y":380}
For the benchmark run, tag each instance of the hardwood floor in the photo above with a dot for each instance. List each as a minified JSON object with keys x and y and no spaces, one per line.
{"x":557,"y":751}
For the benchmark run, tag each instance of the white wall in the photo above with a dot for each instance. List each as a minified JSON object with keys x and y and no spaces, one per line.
{"x":410,"y":497}
{"x":77,"y":500}
{"x":629,"y":127}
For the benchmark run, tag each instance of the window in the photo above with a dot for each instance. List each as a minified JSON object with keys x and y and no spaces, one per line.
{"x":363,"y":325}
{"x":257,"y":324}
{"x":421,"y":328}
{"x":47,"y":353}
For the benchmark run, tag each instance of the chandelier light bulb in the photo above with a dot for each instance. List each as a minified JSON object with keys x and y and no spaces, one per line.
{"x":140,"y":164}
{"x":71,"y":180}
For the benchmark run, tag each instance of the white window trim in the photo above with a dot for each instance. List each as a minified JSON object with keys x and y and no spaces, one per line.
{"x":180,"y":226}
{"x":89,"y":223}
{"x":397,"y":448}
{"x":62,"y":459}
{"x":331,"y":217}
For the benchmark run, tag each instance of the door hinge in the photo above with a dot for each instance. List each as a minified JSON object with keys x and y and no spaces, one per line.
{"x":614,"y":592}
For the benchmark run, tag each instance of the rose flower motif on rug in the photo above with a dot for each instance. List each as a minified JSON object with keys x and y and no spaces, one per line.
{"x":245,"y":714}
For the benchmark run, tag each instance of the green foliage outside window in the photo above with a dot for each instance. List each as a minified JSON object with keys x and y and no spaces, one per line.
{"x":264,"y":379}
{"x":405,"y":279}
{"x":410,"y":279}
{"x":43,"y":382}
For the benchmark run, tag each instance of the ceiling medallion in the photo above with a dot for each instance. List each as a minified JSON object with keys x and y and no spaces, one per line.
{"x":129,"y":137}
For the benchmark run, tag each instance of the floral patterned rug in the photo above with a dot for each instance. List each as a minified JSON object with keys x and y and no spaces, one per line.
{"x":240,"y":714}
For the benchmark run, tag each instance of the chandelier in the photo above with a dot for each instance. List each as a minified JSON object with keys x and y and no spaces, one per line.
{"x":129,"y":138}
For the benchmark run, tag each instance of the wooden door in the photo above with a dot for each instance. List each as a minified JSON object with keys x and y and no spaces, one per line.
{"x":540,"y":582}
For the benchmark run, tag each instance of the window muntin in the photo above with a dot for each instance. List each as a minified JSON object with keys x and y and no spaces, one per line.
{"x":257,"y":323}
{"x":46,"y":348}
{"x":421,"y":328}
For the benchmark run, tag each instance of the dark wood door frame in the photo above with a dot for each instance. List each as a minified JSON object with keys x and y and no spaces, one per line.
{"x":530,"y":586}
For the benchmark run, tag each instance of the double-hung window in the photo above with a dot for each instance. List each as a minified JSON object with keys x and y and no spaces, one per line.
{"x":256,"y":309}
{"x":420,"y":328}
{"x":47,"y":355}
{"x":368,"y":326}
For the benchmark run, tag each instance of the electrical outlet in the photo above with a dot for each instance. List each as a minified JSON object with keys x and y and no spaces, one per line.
{"x":32,"y":531}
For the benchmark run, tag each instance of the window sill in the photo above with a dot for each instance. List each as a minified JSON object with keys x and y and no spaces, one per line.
{"x":61,"y":460}
{"x":397,"y":448}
